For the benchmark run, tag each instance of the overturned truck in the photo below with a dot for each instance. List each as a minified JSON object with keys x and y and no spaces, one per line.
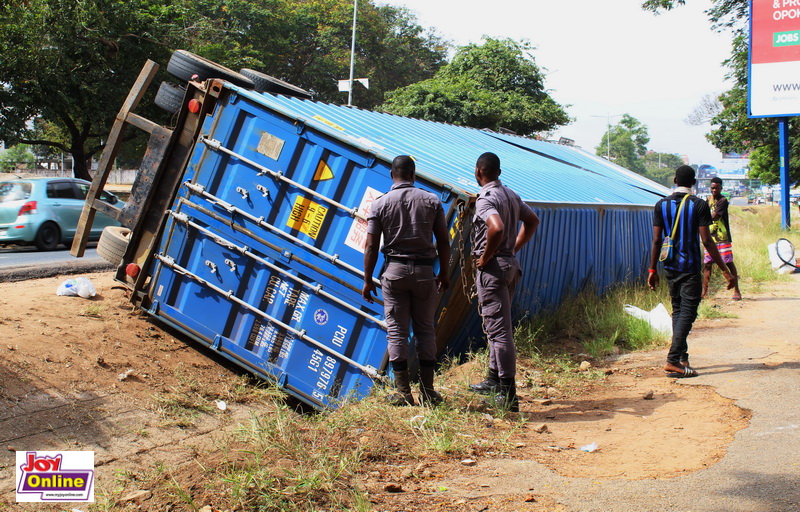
{"x":246,"y":224}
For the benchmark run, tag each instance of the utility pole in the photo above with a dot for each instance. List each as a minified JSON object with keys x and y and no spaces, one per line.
{"x":352,"y":54}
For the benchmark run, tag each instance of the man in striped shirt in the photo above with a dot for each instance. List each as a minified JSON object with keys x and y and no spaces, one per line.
{"x":683,"y":268}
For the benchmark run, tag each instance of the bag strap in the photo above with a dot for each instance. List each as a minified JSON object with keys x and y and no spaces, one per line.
{"x":678,"y":217}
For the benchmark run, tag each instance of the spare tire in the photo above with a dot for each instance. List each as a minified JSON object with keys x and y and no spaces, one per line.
{"x":113,"y":243}
{"x":170,"y":97}
{"x":187,"y":66}
{"x":266,"y":83}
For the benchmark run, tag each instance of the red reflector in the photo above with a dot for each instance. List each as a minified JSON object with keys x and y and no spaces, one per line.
{"x":132,"y":269}
{"x":28,"y":208}
{"x":194,"y":106}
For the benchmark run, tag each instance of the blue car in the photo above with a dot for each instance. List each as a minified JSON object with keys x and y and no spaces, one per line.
{"x":45,"y":211}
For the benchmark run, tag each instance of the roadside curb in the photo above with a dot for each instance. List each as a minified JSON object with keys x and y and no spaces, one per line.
{"x":22,"y":273}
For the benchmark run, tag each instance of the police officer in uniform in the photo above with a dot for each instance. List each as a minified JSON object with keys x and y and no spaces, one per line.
{"x":408,"y":218}
{"x":498,"y":238}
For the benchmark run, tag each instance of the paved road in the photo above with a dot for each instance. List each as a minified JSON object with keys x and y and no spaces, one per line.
{"x":20,"y":263}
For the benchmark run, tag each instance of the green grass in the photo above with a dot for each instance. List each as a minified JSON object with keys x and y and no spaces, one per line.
{"x":279,"y":460}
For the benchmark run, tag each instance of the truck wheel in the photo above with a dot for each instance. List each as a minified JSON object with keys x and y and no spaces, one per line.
{"x":113,"y":243}
{"x":266,"y":83}
{"x":48,"y":237}
{"x":185,"y":65}
{"x":170,"y":97}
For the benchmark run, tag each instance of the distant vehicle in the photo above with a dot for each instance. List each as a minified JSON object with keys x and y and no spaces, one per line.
{"x":45,"y":211}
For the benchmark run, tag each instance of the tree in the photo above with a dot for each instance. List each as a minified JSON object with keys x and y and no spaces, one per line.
{"x":308,"y":43}
{"x":494,"y":85}
{"x":69,"y":65}
{"x":733,"y":130}
{"x":660,"y":167}
{"x":628,"y":143}
{"x":19,"y":154}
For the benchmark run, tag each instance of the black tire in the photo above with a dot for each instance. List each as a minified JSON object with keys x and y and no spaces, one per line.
{"x":48,"y":237}
{"x":185,"y":65}
{"x":113,"y":243}
{"x":266,"y":83}
{"x":170,"y":97}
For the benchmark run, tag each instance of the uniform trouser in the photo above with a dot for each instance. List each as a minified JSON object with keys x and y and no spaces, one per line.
{"x":685,"y":290}
{"x":496,"y":282}
{"x":409,"y":297}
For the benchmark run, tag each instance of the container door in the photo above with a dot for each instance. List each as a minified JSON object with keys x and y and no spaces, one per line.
{"x":262,"y":258}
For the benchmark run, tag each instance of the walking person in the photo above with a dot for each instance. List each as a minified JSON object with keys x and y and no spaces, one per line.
{"x":498,"y":238}
{"x":408,"y":218}
{"x":685,"y":219}
{"x":720,"y":230}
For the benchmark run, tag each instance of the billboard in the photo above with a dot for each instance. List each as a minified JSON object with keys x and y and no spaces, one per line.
{"x":774,"y":66}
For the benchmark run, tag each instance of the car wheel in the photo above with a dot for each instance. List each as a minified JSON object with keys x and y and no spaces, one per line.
{"x":170,"y":97}
{"x":113,"y":243}
{"x":185,"y":65}
{"x":266,"y":83}
{"x":48,"y":237}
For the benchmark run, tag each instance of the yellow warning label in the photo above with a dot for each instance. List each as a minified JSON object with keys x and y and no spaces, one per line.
{"x":328,"y":122}
{"x":307,"y":216}
{"x":323,"y":172}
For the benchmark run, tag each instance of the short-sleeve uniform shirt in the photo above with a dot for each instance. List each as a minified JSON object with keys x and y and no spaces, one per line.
{"x":494,"y":198}
{"x":406,"y":216}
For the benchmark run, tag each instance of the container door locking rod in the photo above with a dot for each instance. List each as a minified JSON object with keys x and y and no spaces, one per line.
{"x":217,"y":146}
{"x":316,"y":289}
{"x":229,"y":294}
{"x":333,"y":258}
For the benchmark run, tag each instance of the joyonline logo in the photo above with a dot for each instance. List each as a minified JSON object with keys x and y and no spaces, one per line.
{"x":55,"y":476}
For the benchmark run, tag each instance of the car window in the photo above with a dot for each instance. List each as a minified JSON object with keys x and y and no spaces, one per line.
{"x":83,"y":189}
{"x":14,"y":191}
{"x":60,"y":190}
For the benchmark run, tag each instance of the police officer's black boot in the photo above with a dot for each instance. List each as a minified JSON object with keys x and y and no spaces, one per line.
{"x":489,"y":385}
{"x":427,"y":395}
{"x":507,"y":395}
{"x":402,"y":382}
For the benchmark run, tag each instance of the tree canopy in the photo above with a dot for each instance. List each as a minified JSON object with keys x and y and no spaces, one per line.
{"x":625,"y":144}
{"x":68,"y":65}
{"x":493,"y":85}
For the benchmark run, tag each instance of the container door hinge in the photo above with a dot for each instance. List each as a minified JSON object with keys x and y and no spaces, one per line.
{"x":447,"y":193}
{"x":300,"y":126}
{"x":153,"y":310}
{"x":282,"y":379}
{"x":217,"y":343}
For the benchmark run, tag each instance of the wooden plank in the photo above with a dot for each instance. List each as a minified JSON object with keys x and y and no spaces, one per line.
{"x":110,"y":151}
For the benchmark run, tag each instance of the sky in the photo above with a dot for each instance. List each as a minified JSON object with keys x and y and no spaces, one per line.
{"x":603,"y":59}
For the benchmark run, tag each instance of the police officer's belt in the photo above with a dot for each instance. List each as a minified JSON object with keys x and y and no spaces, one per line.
{"x":422,"y":261}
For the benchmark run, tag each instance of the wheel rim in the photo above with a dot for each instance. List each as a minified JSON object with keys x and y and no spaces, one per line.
{"x":49,"y":236}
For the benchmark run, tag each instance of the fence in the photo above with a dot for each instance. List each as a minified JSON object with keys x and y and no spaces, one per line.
{"x":116,"y":177}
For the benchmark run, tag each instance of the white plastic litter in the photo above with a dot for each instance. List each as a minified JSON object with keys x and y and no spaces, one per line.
{"x":589,"y":447}
{"x":80,"y":287}
{"x":658,"y":317}
{"x":786,"y":251}
{"x":221,"y":405}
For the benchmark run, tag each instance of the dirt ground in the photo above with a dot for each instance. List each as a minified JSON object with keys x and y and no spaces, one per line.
{"x":92,"y":374}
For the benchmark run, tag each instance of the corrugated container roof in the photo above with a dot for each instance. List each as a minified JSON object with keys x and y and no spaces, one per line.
{"x":541,"y":172}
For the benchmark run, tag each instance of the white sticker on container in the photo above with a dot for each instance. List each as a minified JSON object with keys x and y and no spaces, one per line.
{"x":357,"y":236}
{"x":270,"y":146}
